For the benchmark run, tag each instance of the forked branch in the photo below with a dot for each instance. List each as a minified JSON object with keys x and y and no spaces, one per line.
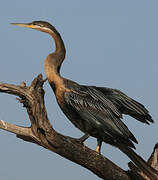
{"x":42,"y":133}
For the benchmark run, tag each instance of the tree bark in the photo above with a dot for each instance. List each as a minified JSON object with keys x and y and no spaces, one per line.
{"x":42,"y":133}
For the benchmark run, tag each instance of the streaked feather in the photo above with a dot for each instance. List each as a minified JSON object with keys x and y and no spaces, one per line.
{"x":126,"y":105}
{"x":99,"y":114}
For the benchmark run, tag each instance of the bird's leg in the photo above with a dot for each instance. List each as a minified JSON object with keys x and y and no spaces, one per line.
{"x":83,"y":138}
{"x":99,"y":143}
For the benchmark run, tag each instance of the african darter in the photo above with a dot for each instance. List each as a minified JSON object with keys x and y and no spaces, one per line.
{"x":96,"y":111}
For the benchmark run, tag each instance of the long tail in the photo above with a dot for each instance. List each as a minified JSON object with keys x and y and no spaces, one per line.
{"x":139,"y":162}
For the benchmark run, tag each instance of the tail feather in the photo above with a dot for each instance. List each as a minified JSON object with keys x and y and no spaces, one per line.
{"x":139,"y":162}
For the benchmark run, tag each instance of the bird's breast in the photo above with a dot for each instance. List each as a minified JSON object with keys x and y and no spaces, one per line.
{"x":60,"y":95}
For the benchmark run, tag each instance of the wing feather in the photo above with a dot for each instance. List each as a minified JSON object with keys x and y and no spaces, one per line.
{"x":126,"y":105}
{"x":100,"y":113}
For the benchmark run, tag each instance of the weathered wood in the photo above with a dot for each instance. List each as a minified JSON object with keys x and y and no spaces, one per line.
{"x":42,"y":133}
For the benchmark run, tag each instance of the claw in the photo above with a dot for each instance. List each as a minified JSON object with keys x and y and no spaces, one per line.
{"x":98,"y":148}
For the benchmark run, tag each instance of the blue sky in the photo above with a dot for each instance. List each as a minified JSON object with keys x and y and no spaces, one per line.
{"x":109,"y":43}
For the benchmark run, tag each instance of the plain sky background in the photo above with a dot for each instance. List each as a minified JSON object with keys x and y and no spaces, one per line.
{"x":109,"y":43}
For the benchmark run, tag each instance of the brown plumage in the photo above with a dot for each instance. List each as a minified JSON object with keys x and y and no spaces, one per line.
{"x":96,"y":111}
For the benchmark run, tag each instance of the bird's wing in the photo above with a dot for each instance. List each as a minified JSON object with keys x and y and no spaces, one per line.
{"x":100,"y":114}
{"x":126,"y":105}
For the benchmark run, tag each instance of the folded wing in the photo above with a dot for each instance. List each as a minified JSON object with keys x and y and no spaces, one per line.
{"x":100,"y":115}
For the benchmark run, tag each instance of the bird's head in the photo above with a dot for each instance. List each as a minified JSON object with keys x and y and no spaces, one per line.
{"x":44,"y":26}
{"x":38,"y":25}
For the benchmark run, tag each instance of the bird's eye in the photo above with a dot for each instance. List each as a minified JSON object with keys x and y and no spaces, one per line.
{"x":34,"y":23}
{"x":41,"y":25}
{"x":37,"y":24}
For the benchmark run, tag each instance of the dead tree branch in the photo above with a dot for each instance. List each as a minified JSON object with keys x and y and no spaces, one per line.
{"x":42,"y":133}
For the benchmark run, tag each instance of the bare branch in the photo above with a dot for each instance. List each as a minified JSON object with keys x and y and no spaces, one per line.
{"x":153,"y":160}
{"x":15,"y":129}
{"x":21,"y":132}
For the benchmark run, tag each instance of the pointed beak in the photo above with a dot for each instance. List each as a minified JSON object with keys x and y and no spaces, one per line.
{"x":28,"y":25}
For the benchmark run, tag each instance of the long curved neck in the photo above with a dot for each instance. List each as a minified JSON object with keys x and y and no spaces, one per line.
{"x":54,"y":60}
{"x":60,"y":50}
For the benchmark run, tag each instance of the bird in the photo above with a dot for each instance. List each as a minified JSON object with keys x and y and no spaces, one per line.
{"x":96,"y":111}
